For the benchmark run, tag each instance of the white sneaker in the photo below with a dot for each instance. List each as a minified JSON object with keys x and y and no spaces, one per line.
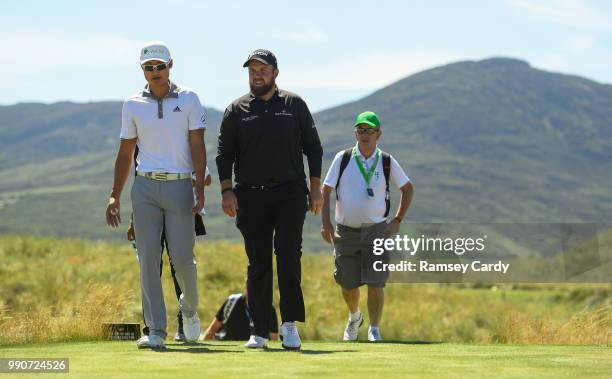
{"x":290,"y":336}
{"x":152,"y":342}
{"x":179,"y":337}
{"x":256,"y":342}
{"x":351,"y":331}
{"x":374,"y":334}
{"x":191,"y":327}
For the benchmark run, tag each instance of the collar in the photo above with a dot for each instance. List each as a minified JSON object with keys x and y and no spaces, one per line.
{"x":173,"y":92}
{"x":361,"y":155}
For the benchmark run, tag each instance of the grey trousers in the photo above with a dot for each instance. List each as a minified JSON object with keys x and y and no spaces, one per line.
{"x":151,"y":201}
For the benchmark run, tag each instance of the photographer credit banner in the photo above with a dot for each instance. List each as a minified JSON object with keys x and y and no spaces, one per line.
{"x":491,"y":253}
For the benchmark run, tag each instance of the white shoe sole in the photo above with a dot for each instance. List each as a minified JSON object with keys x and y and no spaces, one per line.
{"x":149,"y":345}
{"x":356,"y":338}
{"x":256,"y":347}
{"x":264,"y":346}
{"x":289,"y":347}
{"x":189,"y":331}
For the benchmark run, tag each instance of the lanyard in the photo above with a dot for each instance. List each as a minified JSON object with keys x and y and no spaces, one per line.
{"x":367,"y":176}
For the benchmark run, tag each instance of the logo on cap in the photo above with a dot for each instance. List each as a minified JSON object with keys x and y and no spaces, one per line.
{"x":155,"y":50}
{"x":262,"y":55}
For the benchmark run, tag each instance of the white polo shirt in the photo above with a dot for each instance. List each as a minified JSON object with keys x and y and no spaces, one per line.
{"x":354,"y":207}
{"x":162,"y":128}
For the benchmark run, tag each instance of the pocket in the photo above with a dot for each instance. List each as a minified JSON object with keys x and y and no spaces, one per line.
{"x":239,"y":193}
{"x":336,"y":237}
{"x":132,"y":189}
{"x":187,"y":191}
{"x":135,"y":190}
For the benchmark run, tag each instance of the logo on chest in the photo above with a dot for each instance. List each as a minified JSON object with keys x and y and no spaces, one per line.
{"x":250,"y":118}
{"x":283,"y":113}
{"x":177,"y":109}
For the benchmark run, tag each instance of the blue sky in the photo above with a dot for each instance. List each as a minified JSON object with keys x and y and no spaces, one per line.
{"x":330,"y":52}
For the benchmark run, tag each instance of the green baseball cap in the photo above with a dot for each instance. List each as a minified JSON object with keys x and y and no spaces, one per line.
{"x":369,"y":118}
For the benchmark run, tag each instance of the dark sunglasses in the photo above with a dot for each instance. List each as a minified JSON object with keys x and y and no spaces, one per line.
{"x":155,"y":67}
{"x":368,"y":131}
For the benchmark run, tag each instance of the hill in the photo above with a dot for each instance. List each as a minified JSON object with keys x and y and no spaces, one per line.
{"x":495,"y":140}
{"x":483,"y":141}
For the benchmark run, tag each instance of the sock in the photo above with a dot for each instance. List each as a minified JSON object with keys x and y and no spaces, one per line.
{"x":373,"y":328}
{"x":355,"y":316}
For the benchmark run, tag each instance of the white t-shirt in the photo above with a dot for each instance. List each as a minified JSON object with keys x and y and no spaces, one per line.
{"x":354,"y":207}
{"x":162,"y":128}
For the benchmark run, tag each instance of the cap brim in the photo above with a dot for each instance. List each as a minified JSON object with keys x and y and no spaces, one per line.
{"x":367,"y":123}
{"x":255,"y":59}
{"x":155,"y":59}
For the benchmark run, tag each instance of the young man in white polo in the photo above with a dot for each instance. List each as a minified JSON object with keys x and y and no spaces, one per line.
{"x":167,"y":124}
{"x":360,"y":177}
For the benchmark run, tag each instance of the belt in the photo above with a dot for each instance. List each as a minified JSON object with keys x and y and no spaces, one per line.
{"x":262,"y":187}
{"x":164,"y":176}
{"x":269,"y":186}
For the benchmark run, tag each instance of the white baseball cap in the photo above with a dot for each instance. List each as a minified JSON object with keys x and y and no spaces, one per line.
{"x":155,"y":51}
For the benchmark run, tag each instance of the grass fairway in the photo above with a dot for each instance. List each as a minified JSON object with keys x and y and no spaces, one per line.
{"x":323,"y":359}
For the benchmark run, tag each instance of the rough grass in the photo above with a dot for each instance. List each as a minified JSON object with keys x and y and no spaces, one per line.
{"x":63,"y":290}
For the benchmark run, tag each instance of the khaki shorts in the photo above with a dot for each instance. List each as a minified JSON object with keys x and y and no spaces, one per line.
{"x":354,"y":258}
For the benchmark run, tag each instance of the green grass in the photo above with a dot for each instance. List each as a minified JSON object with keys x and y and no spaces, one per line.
{"x":323,"y":359}
{"x":57,"y":293}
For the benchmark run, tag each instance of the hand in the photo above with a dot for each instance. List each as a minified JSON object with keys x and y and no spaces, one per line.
{"x":229,"y":203}
{"x":393,"y":227}
{"x":327,"y":232}
{"x":200,"y":200}
{"x":130,"y":232}
{"x":315,"y":201}
{"x":113,"y":216}
{"x":208,"y":335}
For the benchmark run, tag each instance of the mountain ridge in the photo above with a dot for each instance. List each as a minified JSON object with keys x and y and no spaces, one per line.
{"x":493,"y":140}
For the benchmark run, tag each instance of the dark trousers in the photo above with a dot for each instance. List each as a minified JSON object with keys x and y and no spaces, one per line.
{"x":177,"y":288}
{"x":267,"y":219}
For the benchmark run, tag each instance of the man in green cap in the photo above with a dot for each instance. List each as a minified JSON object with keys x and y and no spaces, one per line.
{"x":360,"y":176}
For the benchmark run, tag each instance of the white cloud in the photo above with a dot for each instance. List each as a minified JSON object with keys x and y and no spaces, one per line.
{"x":580,"y":44}
{"x":566,"y":12}
{"x":372,"y":72}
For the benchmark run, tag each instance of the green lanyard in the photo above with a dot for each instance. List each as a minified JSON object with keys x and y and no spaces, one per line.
{"x":367,"y":176}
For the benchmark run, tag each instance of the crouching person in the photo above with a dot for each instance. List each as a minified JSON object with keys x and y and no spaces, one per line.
{"x":233,"y":321}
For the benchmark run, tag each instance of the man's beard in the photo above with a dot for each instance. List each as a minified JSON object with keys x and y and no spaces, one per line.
{"x":262,"y":90}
